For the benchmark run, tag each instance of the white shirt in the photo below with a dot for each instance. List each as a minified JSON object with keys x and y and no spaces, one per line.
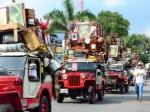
{"x":98,"y":77}
{"x":98,"y":71}
{"x":33,"y":73}
{"x":33,"y":70}
{"x":139,"y":75}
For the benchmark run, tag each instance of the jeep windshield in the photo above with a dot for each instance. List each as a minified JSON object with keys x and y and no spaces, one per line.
{"x":81,"y":66}
{"x":116,"y":67}
{"x":11,"y":65}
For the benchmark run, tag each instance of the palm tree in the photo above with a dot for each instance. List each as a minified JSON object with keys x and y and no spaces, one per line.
{"x":85,"y":15}
{"x":61,"y":19}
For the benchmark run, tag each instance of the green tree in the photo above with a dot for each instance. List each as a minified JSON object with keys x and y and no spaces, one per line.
{"x":85,"y":15}
{"x":113,"y":22}
{"x":139,"y":44}
{"x":144,"y":58}
{"x":60,"y":19}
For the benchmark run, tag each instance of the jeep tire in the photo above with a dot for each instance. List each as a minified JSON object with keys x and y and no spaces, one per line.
{"x":6,"y":108}
{"x":91,"y":95}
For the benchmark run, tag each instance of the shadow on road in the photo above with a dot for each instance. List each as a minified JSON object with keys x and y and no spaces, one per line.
{"x":114,"y":98}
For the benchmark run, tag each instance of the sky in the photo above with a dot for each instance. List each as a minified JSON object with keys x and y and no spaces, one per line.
{"x":137,"y":12}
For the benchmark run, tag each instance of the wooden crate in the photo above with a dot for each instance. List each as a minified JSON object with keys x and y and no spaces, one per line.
{"x":12,"y":27}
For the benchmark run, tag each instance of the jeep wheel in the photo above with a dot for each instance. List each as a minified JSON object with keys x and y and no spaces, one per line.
{"x":60,"y":98}
{"x":122,"y":88}
{"x":6,"y":108}
{"x":45,"y":105}
{"x":127,"y":88}
{"x":91,"y":95}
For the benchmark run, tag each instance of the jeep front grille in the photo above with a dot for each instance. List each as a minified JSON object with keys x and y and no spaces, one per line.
{"x":74,"y":80}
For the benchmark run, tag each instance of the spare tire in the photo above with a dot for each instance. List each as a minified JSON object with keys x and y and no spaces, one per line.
{"x":6,"y":108}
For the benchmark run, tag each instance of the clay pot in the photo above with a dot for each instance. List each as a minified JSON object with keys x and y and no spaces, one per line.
{"x":100,"y":40}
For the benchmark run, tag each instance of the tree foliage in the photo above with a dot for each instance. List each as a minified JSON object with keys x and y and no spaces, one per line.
{"x":139,"y":44}
{"x":69,"y":9}
{"x":85,"y":15}
{"x":61,"y":19}
{"x":58,"y":21}
{"x":144,"y":58}
{"x":113,"y":22}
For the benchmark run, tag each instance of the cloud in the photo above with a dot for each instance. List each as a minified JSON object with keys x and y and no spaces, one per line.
{"x":113,"y":3}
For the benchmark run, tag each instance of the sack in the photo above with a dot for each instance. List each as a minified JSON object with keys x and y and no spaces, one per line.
{"x":31,"y":39}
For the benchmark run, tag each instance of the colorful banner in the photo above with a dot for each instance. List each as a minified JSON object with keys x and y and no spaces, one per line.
{"x":74,"y":66}
{"x":84,"y":30}
{"x":59,"y":50}
{"x":113,"y":51}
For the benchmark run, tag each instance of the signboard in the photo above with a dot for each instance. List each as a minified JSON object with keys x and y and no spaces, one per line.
{"x":30,"y":13}
{"x":3,"y":16}
{"x":71,"y":53}
{"x":74,"y":66}
{"x":113,"y":51}
{"x":59,"y":50}
{"x":84,"y":30}
{"x":16,"y":14}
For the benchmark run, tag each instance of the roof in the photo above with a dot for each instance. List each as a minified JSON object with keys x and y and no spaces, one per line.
{"x":16,"y":54}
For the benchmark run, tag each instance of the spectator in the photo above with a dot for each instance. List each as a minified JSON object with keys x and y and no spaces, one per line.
{"x":139,"y":79}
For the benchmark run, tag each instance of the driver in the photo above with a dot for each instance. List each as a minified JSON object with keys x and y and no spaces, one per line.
{"x":33,"y":69}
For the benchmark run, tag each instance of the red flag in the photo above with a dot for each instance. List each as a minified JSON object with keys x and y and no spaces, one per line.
{"x":43,"y":26}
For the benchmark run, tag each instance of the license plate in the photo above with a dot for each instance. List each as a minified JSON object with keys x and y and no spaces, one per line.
{"x":113,"y":81}
{"x":64,"y":91}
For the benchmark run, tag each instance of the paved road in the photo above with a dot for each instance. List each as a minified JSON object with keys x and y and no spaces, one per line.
{"x":111,"y":103}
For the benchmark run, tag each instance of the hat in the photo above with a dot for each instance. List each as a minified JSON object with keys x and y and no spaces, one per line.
{"x":140,"y":63}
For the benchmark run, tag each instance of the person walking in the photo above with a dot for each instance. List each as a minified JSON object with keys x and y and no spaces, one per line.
{"x":139,"y":80}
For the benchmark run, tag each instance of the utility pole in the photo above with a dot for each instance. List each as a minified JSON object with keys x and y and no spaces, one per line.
{"x":81,"y":5}
{"x":13,"y":1}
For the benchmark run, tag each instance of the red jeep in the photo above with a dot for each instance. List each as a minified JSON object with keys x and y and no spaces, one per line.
{"x":19,"y":90}
{"x":80,"y":79}
{"x":117,"y":78}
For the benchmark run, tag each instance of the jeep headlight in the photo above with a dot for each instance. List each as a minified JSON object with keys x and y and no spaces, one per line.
{"x":65,"y":76}
{"x":83,"y":75}
{"x":93,"y":46}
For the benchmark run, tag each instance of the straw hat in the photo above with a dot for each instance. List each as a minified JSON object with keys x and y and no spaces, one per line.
{"x":140,"y":63}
